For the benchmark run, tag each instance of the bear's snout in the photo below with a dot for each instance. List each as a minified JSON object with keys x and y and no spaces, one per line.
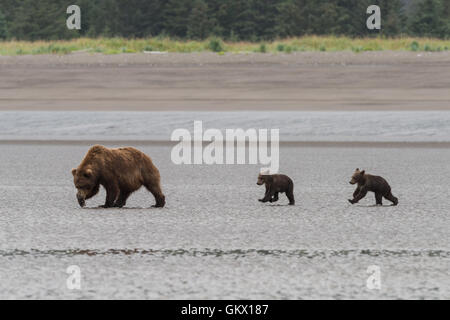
{"x":81,"y":200}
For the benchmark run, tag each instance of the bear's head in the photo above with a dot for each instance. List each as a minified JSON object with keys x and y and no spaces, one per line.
{"x":263,"y":178}
{"x":86,"y":183}
{"x":358,"y":176}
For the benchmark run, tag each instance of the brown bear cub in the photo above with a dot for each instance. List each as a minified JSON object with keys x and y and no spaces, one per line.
{"x":120,"y":171}
{"x":376,"y":184}
{"x":276,"y":183}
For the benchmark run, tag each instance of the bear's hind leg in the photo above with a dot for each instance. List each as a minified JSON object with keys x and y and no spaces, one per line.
{"x":157,"y":193}
{"x":391,"y":198}
{"x":290,"y":196}
{"x":379,"y":199}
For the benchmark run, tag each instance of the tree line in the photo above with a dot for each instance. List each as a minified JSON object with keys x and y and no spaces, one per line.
{"x":251,"y":20}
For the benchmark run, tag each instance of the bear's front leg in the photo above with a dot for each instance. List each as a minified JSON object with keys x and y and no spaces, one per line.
{"x":112,"y":192}
{"x":265,"y":199}
{"x":358,"y":189}
{"x":355,"y":194}
{"x":122,"y":200}
{"x":265,"y":193}
{"x":275,"y":197}
{"x":362,"y":193}
{"x":268,"y":196}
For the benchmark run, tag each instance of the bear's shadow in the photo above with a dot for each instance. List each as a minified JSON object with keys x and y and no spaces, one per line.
{"x":374,"y":206}
{"x":115,"y":208}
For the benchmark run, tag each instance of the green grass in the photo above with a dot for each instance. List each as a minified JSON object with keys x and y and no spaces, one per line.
{"x":215,"y":45}
{"x":309,"y":43}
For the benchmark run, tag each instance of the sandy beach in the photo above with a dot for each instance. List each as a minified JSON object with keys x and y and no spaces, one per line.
{"x":208,"y":81}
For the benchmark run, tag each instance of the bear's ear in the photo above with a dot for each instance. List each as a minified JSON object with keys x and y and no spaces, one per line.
{"x":357,"y":169}
{"x":74,"y":172}
{"x":362,"y":172}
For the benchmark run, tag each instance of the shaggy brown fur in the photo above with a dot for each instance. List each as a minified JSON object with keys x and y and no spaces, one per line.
{"x":376,"y":184}
{"x":120,"y":171}
{"x":276,"y":183}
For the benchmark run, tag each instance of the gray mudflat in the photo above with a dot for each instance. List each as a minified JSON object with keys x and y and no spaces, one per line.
{"x":215,"y":240}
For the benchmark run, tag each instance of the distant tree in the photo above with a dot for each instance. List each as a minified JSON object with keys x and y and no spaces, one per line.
{"x":393,"y":19}
{"x":45,"y":19}
{"x":291,"y":20}
{"x":137,"y":18}
{"x":446,"y":15}
{"x":199,"y":22}
{"x":447,"y":9}
{"x":175,"y":17}
{"x":3,"y":30}
{"x":315,"y":16}
{"x":266,"y":13}
{"x":429,"y":19}
{"x":244,"y":22}
{"x":228,"y":19}
{"x":335,"y":18}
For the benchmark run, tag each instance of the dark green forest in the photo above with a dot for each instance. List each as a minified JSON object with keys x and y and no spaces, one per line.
{"x":252,"y":20}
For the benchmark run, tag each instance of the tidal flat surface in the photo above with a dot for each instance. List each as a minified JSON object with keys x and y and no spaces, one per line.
{"x":215,"y":240}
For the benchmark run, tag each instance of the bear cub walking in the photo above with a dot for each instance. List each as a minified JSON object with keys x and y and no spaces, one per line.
{"x":276,"y":183}
{"x":376,"y":184}
{"x":120,"y":171}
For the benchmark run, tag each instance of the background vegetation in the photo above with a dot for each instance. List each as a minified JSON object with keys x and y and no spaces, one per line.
{"x":222,"y":25}
{"x":307,"y":43}
{"x":250,"y":20}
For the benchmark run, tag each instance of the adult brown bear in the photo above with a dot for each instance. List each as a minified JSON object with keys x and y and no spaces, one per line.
{"x":120,"y":171}
{"x":367,"y":182}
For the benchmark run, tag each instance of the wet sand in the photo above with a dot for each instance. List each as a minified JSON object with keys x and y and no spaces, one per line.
{"x":215,"y":240}
{"x":208,"y":81}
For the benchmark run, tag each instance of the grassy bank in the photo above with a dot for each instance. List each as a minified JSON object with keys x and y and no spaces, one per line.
{"x":310,"y":43}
